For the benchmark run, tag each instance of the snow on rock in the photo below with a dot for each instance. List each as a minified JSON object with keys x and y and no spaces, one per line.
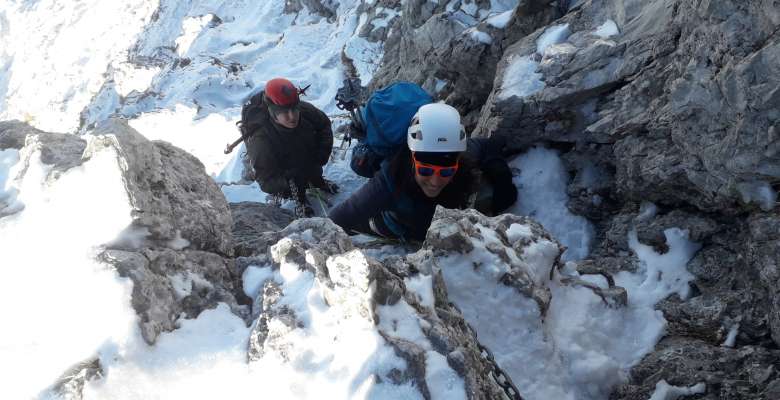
{"x":169,"y":189}
{"x":542,"y":196}
{"x":506,"y":272}
{"x":354,"y":324}
{"x":57,"y":62}
{"x":666,"y":273}
{"x":66,"y":306}
{"x":607,"y":29}
{"x":665,"y":391}
{"x":758,"y":192}
{"x":480,"y":37}
{"x":520,"y":78}
{"x":500,"y":21}
{"x":551,"y":36}
{"x":180,"y":233}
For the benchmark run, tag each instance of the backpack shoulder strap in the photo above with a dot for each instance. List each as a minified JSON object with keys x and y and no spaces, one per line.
{"x":253,"y":114}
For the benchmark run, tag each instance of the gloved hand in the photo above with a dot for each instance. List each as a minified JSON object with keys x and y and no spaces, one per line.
{"x":330,"y":187}
{"x":325,"y":185}
{"x":356,"y":132}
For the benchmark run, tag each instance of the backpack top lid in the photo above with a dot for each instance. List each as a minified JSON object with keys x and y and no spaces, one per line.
{"x":388,"y":112}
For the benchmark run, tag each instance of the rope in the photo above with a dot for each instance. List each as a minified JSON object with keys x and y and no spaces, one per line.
{"x":317,"y":195}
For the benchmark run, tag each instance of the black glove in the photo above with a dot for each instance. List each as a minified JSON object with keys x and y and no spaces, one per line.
{"x":325,"y":185}
{"x":356,"y":132}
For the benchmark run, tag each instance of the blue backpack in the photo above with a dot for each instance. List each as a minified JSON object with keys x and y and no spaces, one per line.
{"x":386,"y":116}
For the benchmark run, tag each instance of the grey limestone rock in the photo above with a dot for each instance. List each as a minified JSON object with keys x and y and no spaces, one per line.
{"x":444,"y":47}
{"x":13,"y":134}
{"x":59,"y":150}
{"x":359,"y":287}
{"x":175,"y":203}
{"x":251,"y":219}
{"x":748,"y":372}
{"x":685,"y":93}
{"x":170,"y":284}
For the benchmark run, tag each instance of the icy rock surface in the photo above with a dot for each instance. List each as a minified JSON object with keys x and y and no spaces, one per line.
{"x":418,"y":338}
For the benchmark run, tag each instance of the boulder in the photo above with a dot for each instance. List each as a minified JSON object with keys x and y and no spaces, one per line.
{"x":176,"y":204}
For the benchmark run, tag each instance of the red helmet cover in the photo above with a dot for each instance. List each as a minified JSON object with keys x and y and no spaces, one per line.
{"x":282,"y":92}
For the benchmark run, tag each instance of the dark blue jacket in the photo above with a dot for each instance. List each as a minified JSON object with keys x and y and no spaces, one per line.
{"x":391,"y":204}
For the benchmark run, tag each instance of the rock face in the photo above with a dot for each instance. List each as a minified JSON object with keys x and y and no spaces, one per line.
{"x":684,"y":94}
{"x":175,"y":203}
{"x":749,"y":372}
{"x":176,"y":247}
{"x":452,"y":48}
{"x":666,"y":101}
{"x":60,"y":151}
{"x":359,"y":288}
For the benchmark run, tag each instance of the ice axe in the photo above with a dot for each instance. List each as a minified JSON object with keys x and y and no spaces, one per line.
{"x":231,"y":146}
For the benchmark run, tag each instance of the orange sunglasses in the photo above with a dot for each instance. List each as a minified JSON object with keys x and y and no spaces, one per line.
{"x":429,"y":170}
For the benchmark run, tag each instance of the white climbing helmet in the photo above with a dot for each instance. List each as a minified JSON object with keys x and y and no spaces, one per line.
{"x":436,"y":128}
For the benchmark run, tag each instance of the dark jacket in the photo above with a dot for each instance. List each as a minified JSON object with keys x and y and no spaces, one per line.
{"x":279,"y":154}
{"x":391,"y":204}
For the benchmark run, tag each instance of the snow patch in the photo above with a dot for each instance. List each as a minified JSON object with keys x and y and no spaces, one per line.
{"x":552,"y":35}
{"x":384,"y":20}
{"x":500,"y":21}
{"x":439,"y":85}
{"x":758,"y":192}
{"x":8,"y":159}
{"x":204,"y":138}
{"x":731,"y":338}
{"x":517,"y":232}
{"x":607,"y":29}
{"x":480,"y":37}
{"x":665,"y":273}
{"x":253,"y":279}
{"x":665,"y":391}
{"x":81,"y":307}
{"x":191,"y":28}
{"x":520,"y":78}
{"x":647,"y":211}
{"x":178,"y":243}
{"x":241,"y":193}
{"x":542,"y":196}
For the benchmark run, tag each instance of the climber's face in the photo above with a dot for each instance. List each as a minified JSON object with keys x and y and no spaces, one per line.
{"x":432,"y":179}
{"x":288,"y":117}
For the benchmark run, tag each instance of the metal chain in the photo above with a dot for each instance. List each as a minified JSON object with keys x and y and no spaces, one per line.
{"x":499,"y":376}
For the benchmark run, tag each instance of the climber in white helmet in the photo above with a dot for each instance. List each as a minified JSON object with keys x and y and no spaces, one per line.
{"x":399,"y":201}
